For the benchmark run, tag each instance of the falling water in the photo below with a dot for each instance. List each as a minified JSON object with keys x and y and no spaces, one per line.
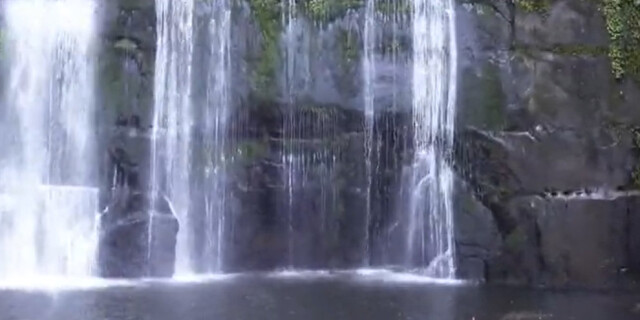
{"x":430,"y":235}
{"x":173,"y":118}
{"x":369,"y":112}
{"x":217,"y":114}
{"x":48,"y":204}
{"x":291,"y":157}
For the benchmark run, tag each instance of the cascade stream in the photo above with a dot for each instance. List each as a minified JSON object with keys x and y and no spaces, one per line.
{"x":48,"y":183}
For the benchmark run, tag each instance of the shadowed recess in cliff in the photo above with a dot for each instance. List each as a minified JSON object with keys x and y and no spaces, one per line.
{"x":307,"y":149}
{"x":48,"y":199}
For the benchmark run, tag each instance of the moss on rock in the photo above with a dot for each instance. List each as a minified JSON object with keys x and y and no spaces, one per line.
{"x":327,"y":10}
{"x":267,"y":15}
{"x":349,"y":47}
{"x":250,"y":151}
{"x":516,"y":240}
{"x":485,"y":99}
{"x":534,"y":6}
{"x":623,"y":25}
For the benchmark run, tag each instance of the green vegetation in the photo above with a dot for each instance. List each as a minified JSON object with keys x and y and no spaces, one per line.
{"x":566,"y":49}
{"x":327,"y":10}
{"x":485,"y":93}
{"x":252,"y":150}
{"x":398,"y":6}
{"x":579,"y":50}
{"x":534,"y":6}
{"x":516,"y":240}
{"x":623,"y":25}
{"x":349,"y":47}
{"x":267,"y":14}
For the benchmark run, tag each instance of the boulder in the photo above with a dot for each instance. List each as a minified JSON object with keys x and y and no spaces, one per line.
{"x":477,"y":239}
{"x":580,"y":240}
{"x":546,"y":160}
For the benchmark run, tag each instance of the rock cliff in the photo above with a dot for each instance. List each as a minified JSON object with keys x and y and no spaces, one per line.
{"x":546,"y":143}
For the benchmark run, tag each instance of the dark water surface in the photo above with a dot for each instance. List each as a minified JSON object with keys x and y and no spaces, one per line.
{"x":256,"y":297}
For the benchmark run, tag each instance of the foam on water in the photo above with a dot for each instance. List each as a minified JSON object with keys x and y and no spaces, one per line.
{"x":300,"y":274}
{"x":62,"y":284}
{"x":366,"y":275}
{"x":390,"y":276}
{"x":59,"y":284}
{"x":195,"y":279}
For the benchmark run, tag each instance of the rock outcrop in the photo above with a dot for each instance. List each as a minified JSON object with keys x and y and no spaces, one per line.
{"x":551,"y":152}
{"x":545,"y":147}
{"x":137,"y":232}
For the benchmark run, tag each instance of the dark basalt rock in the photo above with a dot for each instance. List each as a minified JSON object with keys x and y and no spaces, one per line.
{"x":137,"y":232}
{"x":536,"y":88}
{"x":137,"y":240}
{"x":477,"y":238}
{"x":575,"y":241}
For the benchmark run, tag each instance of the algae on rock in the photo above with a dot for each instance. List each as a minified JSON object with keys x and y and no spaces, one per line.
{"x":623,"y":24}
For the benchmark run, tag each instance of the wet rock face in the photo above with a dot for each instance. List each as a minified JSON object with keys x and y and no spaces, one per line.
{"x":570,"y":241}
{"x":316,"y":217}
{"x":126,"y":57}
{"x":542,"y":127}
{"x":137,"y":235}
{"x":554,"y":203}
{"x":583,"y":240}
{"x":477,"y":238}
{"x":551,"y":134}
{"x":135,"y":240}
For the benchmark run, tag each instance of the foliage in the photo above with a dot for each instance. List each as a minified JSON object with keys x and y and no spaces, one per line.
{"x":267,"y":15}
{"x":516,"y":240}
{"x":534,"y":6}
{"x":252,"y":150}
{"x":394,"y":7}
{"x":325,"y":10}
{"x":349,"y":47}
{"x":579,"y":50}
{"x":623,"y":25}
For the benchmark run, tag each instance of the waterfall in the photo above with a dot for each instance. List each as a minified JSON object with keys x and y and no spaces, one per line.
{"x":216,"y":135}
{"x":429,"y":240}
{"x":369,"y":113}
{"x":291,"y":156}
{"x":173,"y":119}
{"x":48,"y":199}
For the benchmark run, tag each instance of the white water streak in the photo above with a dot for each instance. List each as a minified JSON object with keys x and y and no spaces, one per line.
{"x":48,"y":138}
{"x":430,"y":236}
{"x":291,"y":158}
{"x":173,"y":118}
{"x":217,"y":116}
{"x":369,"y":73}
